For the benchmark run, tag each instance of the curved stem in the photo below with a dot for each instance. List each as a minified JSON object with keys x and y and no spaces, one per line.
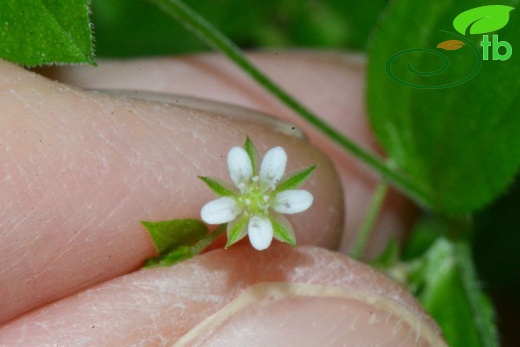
{"x":378,"y":197}
{"x":217,"y":40}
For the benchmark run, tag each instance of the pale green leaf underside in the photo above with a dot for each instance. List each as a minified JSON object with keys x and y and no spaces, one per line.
{"x":483,"y":19}
{"x":171,"y":234}
{"x":43,"y":32}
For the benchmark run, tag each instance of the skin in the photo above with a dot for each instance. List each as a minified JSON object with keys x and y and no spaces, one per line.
{"x":80,"y":169}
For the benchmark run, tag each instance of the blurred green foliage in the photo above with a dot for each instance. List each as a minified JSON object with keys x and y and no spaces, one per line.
{"x":136,"y":28}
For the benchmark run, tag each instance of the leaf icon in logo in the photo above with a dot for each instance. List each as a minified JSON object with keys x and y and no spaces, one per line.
{"x":451,"y":45}
{"x":483,"y":19}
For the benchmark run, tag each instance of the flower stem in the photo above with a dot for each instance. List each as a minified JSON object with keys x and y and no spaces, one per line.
{"x":208,"y":240}
{"x":214,"y":38}
{"x":378,"y":197}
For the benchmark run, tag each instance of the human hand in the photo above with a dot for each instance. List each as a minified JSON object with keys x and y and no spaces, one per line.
{"x":79,"y":170}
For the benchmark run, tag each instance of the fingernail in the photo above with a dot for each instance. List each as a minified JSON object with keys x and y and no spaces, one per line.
{"x":289,"y":314}
{"x":228,"y":110}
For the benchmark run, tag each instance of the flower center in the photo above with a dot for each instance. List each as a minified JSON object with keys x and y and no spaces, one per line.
{"x":255,"y":199}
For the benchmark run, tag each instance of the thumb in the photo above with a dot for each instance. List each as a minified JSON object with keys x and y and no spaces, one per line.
{"x":284,"y":296}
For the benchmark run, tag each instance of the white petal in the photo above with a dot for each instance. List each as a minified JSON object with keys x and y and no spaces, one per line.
{"x":292,"y":201}
{"x":239,"y":165}
{"x":260,"y":232}
{"x":273,"y":166}
{"x":220,"y":211}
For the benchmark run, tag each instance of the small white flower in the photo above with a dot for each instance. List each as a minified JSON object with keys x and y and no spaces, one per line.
{"x":254,"y":205}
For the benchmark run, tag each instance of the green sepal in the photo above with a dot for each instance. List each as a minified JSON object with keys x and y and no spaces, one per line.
{"x":296,"y":179}
{"x":219,"y":187}
{"x":253,"y":154}
{"x":282,"y":229}
{"x":236,"y":230}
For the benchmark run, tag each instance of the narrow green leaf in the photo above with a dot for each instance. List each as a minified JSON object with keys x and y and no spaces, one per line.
{"x":448,"y":289}
{"x":218,"y":186}
{"x":43,"y":32}
{"x":483,"y":19}
{"x":282,"y":229}
{"x":462,"y":143}
{"x":171,"y":234}
{"x":253,"y":154}
{"x":296,"y":179}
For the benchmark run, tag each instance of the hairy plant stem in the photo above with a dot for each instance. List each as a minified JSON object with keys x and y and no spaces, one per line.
{"x":214,"y":38}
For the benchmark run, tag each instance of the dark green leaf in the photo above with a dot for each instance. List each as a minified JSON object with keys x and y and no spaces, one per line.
{"x":219,"y":187}
{"x":463,"y":142}
{"x":43,"y":32}
{"x":135,"y":28}
{"x":447,"y":287}
{"x":496,"y":241}
{"x":483,"y":19}
{"x":296,"y":179}
{"x":172,"y":234}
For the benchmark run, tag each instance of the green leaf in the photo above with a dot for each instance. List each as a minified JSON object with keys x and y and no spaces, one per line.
{"x":296,"y":179}
{"x":170,"y":258}
{"x":483,"y":19}
{"x":178,"y":240}
{"x":447,"y":287}
{"x":253,"y":154}
{"x":172,"y":234}
{"x":43,"y":32}
{"x":219,"y":187}
{"x":461,"y":143}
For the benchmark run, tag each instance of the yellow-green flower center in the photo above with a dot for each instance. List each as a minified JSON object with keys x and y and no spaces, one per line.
{"x":255,"y":198}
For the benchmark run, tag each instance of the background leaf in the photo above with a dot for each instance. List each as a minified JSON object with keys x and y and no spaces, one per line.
{"x":463,"y":143}
{"x":464,"y":313}
{"x":42,"y":32}
{"x":483,"y":19}
{"x":136,"y":28}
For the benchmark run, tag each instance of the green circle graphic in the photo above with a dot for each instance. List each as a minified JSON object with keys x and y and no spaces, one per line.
{"x":443,"y":68}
